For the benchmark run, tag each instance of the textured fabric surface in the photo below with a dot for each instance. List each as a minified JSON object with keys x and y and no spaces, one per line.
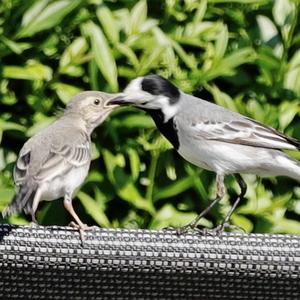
{"x":52,"y":263}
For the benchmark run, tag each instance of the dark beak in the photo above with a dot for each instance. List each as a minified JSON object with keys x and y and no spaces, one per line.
{"x":118,"y":100}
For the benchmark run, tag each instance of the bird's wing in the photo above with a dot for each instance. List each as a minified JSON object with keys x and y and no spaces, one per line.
{"x":244,"y":131}
{"x":59,"y":158}
{"x":22,"y":164}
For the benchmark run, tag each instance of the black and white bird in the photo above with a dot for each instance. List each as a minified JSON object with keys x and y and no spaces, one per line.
{"x":55,"y":162}
{"x":212,"y":137}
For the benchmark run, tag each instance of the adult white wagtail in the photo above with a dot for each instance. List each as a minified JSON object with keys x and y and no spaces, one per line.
{"x":212,"y":137}
{"x":55,"y":162}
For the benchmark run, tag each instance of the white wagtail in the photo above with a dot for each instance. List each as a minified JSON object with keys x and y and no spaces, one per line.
{"x":55,"y":162}
{"x":212,"y":137}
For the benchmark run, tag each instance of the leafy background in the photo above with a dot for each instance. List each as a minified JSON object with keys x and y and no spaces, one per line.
{"x":244,"y":55}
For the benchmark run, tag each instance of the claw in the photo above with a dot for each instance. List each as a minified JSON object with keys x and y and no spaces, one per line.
{"x":217,"y":231}
{"x":33,"y":224}
{"x":82,"y":228}
{"x":192,"y":228}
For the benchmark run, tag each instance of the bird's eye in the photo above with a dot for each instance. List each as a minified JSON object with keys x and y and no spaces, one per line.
{"x":96,"y":101}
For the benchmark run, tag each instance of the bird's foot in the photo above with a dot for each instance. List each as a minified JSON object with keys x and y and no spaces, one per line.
{"x":218,"y":230}
{"x":191,"y":227}
{"x":33,"y":224}
{"x":169,"y":228}
{"x":181,"y":230}
{"x":82,"y":228}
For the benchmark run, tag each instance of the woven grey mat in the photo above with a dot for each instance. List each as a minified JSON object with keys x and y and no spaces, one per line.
{"x":52,"y":263}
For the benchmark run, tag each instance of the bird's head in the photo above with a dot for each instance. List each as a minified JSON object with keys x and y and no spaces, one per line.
{"x":91,"y":106}
{"x":152,"y":92}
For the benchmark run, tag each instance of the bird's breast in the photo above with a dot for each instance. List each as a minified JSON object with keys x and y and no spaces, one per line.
{"x":67,"y":183}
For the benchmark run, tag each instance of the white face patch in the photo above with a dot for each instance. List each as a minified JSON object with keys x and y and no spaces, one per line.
{"x":134,"y":93}
{"x":134,"y":86}
{"x":163,"y":103}
{"x":140,"y":98}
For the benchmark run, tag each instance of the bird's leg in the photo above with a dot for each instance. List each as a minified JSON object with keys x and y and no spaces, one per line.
{"x":33,"y":222}
{"x":220,"y":194}
{"x":79,"y":224}
{"x":225,"y":223}
{"x":34,"y":206}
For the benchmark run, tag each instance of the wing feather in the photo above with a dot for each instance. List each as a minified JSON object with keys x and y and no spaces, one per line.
{"x":45,"y":157}
{"x":245,"y":132}
{"x":61,"y":160}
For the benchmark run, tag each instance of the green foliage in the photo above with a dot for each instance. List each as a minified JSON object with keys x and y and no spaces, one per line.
{"x":244,"y":55}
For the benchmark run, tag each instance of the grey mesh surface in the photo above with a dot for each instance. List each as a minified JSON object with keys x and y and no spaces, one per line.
{"x":51,"y":263}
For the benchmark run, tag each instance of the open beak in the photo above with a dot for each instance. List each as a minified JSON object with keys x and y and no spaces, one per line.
{"x":109,"y":104}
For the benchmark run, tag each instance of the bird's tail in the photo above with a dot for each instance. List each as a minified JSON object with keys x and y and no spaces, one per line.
{"x":23,"y":200}
{"x":294,"y":169}
{"x":298,"y":178}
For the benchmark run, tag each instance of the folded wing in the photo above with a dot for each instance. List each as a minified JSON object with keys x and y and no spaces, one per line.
{"x":245,"y":132}
{"x":58,"y":160}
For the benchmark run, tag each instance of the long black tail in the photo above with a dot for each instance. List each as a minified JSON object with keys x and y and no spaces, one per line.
{"x":23,"y":200}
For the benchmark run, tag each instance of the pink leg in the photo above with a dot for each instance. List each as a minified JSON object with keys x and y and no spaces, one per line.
{"x":78,"y":224}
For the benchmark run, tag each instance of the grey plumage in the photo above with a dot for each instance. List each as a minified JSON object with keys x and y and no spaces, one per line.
{"x":211,"y":136}
{"x":55,"y":162}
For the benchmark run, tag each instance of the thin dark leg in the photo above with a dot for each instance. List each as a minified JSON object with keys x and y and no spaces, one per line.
{"x":220,"y":195}
{"x":243,"y":187}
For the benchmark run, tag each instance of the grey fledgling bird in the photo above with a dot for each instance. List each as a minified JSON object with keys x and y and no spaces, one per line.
{"x":55,"y":162}
{"x":212,"y":137}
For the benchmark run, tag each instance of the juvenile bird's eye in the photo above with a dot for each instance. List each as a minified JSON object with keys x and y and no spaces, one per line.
{"x":97,"y":101}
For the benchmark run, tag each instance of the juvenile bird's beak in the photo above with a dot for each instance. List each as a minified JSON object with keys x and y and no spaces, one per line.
{"x":110,"y":105}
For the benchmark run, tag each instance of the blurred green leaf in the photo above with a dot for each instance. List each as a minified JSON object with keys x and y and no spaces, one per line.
{"x":32,"y":71}
{"x":285,"y":14}
{"x":168,"y":216}
{"x":65,"y":91}
{"x":286,"y":226}
{"x":221,"y":43}
{"x":288,"y":111}
{"x":269,"y":34}
{"x":292,"y":76}
{"x":135,"y":121}
{"x":258,"y":2}
{"x":174,"y":189}
{"x":200,"y":13}
{"x":102,"y":53}
{"x":5,"y":125}
{"x":93,"y":209}
{"x":227,"y":65}
{"x":149,"y":59}
{"x":6,"y":195}
{"x":129,"y":53}
{"x":187,"y":59}
{"x":74,"y":55}
{"x":134,"y":163}
{"x":32,"y":13}
{"x":41,"y":16}
{"x":108,"y":23}
{"x":242,"y":222}
{"x":138,"y":17}
{"x":13,"y":46}
{"x":123,"y":183}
